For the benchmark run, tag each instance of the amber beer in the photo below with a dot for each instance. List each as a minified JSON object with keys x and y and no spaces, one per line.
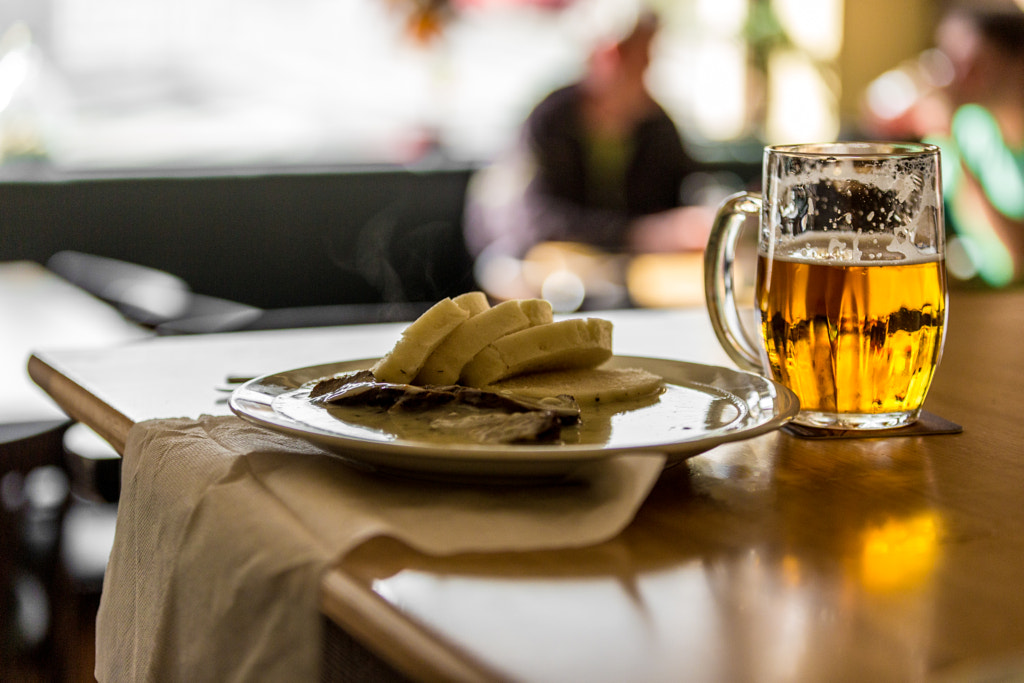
{"x":859,"y":335}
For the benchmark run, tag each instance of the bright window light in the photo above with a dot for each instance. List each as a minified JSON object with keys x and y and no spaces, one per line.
{"x":718,"y":99}
{"x":722,"y":17}
{"x":801,"y":106}
{"x":816,"y":26}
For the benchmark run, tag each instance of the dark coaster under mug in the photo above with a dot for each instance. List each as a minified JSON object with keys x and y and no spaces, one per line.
{"x":925,"y":425}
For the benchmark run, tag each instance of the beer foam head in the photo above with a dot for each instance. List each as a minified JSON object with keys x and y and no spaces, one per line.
{"x":851,"y":191}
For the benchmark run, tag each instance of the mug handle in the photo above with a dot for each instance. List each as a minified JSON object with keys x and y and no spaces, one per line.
{"x":719,"y":283}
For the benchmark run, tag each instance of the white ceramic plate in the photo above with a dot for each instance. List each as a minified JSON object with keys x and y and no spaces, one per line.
{"x":702,"y":406}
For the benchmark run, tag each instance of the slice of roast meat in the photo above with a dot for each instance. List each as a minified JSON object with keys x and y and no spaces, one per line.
{"x":361,"y":389}
{"x":478,"y":415}
{"x":331,"y":385}
{"x":534,"y":425}
{"x":564,"y":408}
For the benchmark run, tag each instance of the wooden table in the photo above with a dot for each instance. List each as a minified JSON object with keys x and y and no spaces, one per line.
{"x":777,"y":558}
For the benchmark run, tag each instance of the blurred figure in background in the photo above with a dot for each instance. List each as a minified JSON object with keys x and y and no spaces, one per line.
{"x":977,"y":117}
{"x":599,"y":164}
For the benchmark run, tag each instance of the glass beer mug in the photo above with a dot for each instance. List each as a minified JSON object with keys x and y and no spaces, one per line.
{"x":851,"y":279}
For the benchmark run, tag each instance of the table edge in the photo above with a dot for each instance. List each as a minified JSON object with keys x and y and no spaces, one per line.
{"x":80,"y":404}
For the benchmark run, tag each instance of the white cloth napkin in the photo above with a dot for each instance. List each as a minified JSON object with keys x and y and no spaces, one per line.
{"x":225,"y":529}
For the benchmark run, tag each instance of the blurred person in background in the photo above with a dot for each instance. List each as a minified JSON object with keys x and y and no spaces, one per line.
{"x":976,"y":116}
{"x":599,"y":164}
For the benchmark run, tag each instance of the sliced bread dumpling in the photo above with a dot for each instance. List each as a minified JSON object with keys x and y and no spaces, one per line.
{"x":444,"y":365}
{"x":572,"y":343}
{"x":418,"y":341}
{"x":586,"y":385}
{"x":474,"y":302}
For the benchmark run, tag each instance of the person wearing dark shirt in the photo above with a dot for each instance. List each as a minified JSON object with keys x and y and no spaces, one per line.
{"x":600,"y":163}
{"x":592,"y":183}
